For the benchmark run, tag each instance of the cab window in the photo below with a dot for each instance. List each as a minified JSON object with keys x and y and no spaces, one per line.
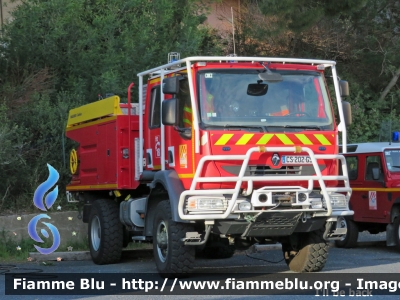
{"x":155,"y":105}
{"x":352,"y":167}
{"x":373,"y":162}
{"x":184,"y":105}
{"x":392,"y":158}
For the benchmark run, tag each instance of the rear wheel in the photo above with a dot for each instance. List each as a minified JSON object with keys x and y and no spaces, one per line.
{"x":172,"y":256}
{"x":105,"y":232}
{"x":350,"y":240}
{"x":306,"y":252}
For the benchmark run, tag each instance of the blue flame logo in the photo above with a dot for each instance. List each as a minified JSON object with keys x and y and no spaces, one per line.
{"x":39,"y":203}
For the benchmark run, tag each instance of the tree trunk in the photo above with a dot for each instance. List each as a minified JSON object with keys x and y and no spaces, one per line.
{"x":390,"y":85}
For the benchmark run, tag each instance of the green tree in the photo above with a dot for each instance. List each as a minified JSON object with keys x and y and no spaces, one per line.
{"x":57,"y":55}
{"x":97,"y":47}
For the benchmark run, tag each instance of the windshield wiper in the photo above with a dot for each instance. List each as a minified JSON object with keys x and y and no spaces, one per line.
{"x":304,"y":127}
{"x":241,"y":127}
{"x":235,"y":127}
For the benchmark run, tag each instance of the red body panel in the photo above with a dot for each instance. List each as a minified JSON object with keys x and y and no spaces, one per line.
{"x":385,"y":191}
{"x":100,"y":154}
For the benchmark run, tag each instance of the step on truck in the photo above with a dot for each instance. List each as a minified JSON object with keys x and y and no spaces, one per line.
{"x":374,"y":174}
{"x":219,"y":153}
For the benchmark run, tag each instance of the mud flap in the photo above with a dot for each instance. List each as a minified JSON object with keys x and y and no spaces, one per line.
{"x":273,"y":224}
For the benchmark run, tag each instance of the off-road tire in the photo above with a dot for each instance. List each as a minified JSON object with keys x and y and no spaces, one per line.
{"x":396,"y":225}
{"x":350,"y":240}
{"x":309,"y":255}
{"x":218,"y":250}
{"x":172,"y":257}
{"x":105,"y":232}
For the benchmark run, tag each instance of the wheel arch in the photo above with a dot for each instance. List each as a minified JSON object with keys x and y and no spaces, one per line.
{"x":395,"y":210}
{"x":165,"y":186}
{"x":87,"y":198}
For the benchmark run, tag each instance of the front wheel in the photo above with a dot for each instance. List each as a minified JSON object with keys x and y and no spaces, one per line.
{"x":173,"y":258}
{"x":396,"y":225}
{"x":306,"y":252}
{"x":350,"y":240}
{"x":105,"y":232}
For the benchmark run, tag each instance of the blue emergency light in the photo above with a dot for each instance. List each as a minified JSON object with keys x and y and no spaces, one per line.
{"x":396,"y":136}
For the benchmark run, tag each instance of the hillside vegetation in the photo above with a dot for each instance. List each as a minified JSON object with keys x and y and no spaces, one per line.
{"x":57,"y":54}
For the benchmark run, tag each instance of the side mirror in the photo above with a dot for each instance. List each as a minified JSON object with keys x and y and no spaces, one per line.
{"x":344,"y":88}
{"x":171,"y":85}
{"x":375,"y":173}
{"x":257,"y":89}
{"x":270,"y":76}
{"x":347,"y":113}
{"x":169,"y":112}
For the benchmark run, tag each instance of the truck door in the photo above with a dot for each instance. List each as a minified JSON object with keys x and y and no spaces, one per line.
{"x":152,"y":141}
{"x":179,"y":139}
{"x":371,"y":195}
{"x":356,"y":177}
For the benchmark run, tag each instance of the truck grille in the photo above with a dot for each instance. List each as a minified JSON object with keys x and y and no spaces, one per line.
{"x":262,"y":170}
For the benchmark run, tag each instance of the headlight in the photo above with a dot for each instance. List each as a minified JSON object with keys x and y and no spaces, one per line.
{"x":338,"y":201}
{"x":194,"y":203}
{"x":316,"y":203}
{"x":244,"y":205}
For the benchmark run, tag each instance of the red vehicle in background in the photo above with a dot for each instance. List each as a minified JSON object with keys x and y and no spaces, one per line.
{"x":374,"y":173}
{"x":219,"y":153}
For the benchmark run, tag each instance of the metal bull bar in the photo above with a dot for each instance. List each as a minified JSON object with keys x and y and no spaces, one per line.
{"x":241,"y":178}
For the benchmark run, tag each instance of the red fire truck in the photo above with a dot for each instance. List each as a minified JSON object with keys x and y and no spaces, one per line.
{"x":218,"y":154}
{"x":374,"y":173}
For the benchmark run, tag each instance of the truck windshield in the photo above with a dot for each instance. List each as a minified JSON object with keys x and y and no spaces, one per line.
{"x":392,"y":158}
{"x":299,"y":102}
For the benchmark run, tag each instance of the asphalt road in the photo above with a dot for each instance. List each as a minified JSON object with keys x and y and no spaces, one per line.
{"x":370,"y":257}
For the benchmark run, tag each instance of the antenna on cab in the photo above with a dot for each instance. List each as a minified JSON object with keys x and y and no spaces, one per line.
{"x":233,"y":33}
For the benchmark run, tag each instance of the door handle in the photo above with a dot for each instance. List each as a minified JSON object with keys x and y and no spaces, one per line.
{"x":364,"y":196}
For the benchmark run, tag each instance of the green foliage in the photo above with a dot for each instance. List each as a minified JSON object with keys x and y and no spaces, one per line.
{"x":367,"y":116}
{"x":11,"y":243}
{"x":97,"y":47}
{"x":34,"y":137}
{"x":57,"y":55}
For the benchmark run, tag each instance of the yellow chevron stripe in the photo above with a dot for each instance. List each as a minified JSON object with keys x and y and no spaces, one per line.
{"x":264,"y":139}
{"x":224,"y":139}
{"x":244,"y":139}
{"x":304,"y":139}
{"x":322,"y":139}
{"x":284,"y":139}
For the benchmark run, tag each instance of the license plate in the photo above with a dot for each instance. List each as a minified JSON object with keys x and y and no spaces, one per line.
{"x":296,"y":160}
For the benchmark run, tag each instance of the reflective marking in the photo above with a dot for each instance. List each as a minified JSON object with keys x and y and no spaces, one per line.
{"x":284,"y":139}
{"x":224,"y":139}
{"x":304,"y":139}
{"x":244,"y":139}
{"x":204,"y":139}
{"x":264,"y":139}
{"x":322,"y":139}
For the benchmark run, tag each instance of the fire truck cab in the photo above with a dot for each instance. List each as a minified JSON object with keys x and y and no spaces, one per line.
{"x":219,"y":153}
{"x":374,"y":173}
